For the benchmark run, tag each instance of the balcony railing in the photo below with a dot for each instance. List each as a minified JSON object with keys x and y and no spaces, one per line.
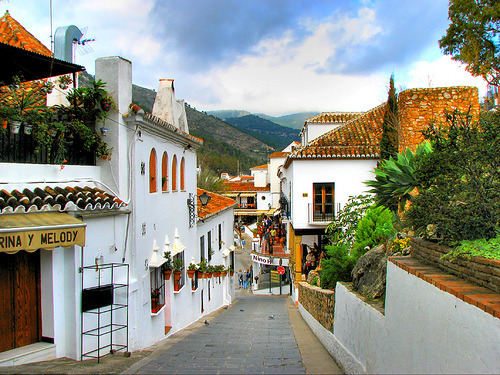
{"x":320,"y":215}
{"x":20,"y":148}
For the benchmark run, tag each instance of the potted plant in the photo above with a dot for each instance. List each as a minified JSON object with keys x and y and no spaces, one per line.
{"x":15,"y":125}
{"x":210,"y":271}
{"x":230,"y":270}
{"x":191,"y":270}
{"x":202,"y":269}
{"x":223,"y":272}
{"x":64,"y":81}
{"x":167,"y":266}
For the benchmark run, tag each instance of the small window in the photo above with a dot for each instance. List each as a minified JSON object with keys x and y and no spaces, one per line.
{"x":179,"y":283}
{"x":182,"y":175}
{"x":209,"y":241}
{"x":220,"y":237}
{"x":152,"y":172}
{"x":164,"y":172}
{"x":174,"y":173}
{"x":157,"y":289}
{"x":202,"y":248}
{"x":324,"y":202}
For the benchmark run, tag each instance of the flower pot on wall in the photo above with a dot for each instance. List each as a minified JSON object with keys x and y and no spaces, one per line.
{"x":166,"y":274}
{"x":15,"y":126}
{"x":28,"y":128}
{"x":190,"y":274}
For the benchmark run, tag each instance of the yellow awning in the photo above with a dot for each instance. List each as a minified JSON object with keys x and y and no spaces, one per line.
{"x":40,"y":231}
{"x":248,"y":194}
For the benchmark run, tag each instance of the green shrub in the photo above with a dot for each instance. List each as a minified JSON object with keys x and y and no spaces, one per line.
{"x":375,"y":228}
{"x":337,"y":266}
{"x":460,"y":179}
{"x":314,"y":281}
{"x":479,"y":248}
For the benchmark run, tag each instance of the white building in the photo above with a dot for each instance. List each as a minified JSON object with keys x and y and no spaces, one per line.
{"x":87,"y":241}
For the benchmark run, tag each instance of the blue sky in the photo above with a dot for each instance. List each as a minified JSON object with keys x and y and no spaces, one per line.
{"x":264,"y":56}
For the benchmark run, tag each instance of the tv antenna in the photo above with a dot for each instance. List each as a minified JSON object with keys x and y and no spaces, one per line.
{"x":83,"y":43}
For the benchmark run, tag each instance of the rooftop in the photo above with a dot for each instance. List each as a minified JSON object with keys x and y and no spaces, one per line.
{"x":216,"y":204}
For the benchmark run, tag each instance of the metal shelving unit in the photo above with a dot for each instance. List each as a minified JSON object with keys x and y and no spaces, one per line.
{"x":103,"y":301}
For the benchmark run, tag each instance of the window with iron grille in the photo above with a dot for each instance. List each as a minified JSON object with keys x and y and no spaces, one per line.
{"x":323,"y":207}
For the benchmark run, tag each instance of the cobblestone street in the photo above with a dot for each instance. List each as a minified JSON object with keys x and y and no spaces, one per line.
{"x":252,"y":336}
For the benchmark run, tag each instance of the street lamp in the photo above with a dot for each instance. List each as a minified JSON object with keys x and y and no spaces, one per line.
{"x":204,"y":198}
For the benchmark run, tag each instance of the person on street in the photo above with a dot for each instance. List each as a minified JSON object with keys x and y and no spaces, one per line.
{"x":240,"y":279}
{"x":245,"y":279}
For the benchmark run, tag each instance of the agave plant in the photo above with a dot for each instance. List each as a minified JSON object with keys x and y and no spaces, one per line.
{"x":395,"y":180}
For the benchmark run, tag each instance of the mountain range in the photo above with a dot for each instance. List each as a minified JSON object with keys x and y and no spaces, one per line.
{"x":294,"y":120}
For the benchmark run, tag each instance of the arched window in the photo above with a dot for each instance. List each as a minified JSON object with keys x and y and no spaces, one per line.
{"x":152,"y":172}
{"x":182,"y":175}
{"x":164,"y":172}
{"x":174,"y":173}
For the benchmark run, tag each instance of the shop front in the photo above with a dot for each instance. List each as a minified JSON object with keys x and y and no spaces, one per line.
{"x":23,"y":238}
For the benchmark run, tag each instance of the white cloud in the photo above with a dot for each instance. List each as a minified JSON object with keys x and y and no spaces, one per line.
{"x":442,"y":72}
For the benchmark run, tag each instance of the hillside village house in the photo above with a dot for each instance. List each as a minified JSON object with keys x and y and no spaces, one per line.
{"x":318,"y":178}
{"x":90,"y":277}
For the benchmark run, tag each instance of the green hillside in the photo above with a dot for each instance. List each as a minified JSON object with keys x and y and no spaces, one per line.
{"x":272,"y":134}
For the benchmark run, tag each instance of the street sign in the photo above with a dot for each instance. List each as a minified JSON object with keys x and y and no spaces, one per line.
{"x":281,"y":270}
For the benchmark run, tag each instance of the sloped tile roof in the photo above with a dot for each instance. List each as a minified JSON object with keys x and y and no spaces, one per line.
{"x":244,"y":186}
{"x":358,"y":138}
{"x":278,"y":154}
{"x":334,"y":117}
{"x":216,"y":204}
{"x":135,"y":109}
{"x":264,"y":166}
{"x":14,"y":34}
{"x":56,"y":198}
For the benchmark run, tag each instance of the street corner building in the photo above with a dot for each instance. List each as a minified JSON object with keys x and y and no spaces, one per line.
{"x":84,"y":241}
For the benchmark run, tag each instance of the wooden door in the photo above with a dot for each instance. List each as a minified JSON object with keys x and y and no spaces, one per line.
{"x":20,"y":318}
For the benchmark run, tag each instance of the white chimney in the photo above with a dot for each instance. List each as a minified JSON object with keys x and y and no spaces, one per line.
{"x":165,"y":102}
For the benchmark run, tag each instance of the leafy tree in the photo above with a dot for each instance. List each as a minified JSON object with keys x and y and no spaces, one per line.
{"x":460,"y":179}
{"x":395,"y":179}
{"x":389,"y":140}
{"x":375,"y":228}
{"x":208,"y":180}
{"x":343,"y":229}
{"x":472,"y":37}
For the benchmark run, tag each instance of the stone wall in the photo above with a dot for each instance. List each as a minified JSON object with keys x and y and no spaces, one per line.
{"x":482,"y":271}
{"x":418,"y":108}
{"x":320,"y":303}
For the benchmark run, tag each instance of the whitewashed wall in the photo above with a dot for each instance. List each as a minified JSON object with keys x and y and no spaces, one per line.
{"x":348,"y":176}
{"x":424,"y":330}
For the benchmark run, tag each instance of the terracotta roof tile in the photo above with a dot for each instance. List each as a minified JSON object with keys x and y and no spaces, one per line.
{"x":334,"y":117}
{"x":358,"y":138}
{"x":216,"y":204}
{"x":244,"y":186}
{"x":134,"y":108}
{"x":264,"y":166}
{"x":14,"y":34}
{"x":278,"y":155}
{"x":56,"y":198}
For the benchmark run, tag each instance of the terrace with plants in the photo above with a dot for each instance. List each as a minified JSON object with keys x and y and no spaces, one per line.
{"x":32,"y":132}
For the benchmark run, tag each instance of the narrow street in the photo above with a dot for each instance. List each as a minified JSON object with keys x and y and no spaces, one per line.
{"x":253,"y":335}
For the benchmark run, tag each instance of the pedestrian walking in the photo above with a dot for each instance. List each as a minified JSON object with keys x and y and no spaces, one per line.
{"x":244,"y":278}
{"x":240,"y":279}
{"x":267,"y":236}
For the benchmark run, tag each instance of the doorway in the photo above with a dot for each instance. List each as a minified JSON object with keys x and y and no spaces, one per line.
{"x":20,"y":308}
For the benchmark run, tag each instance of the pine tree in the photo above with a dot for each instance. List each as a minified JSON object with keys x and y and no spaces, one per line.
{"x":389,"y":140}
